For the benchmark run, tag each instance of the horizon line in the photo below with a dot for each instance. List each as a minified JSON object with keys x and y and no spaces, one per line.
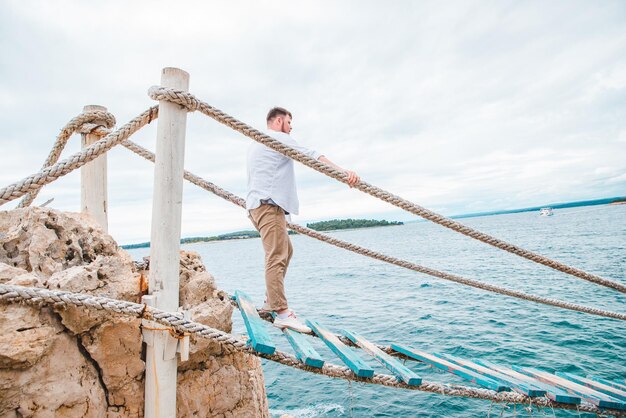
{"x":561,"y":205}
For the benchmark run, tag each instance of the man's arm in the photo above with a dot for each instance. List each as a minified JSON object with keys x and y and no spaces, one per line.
{"x":353,"y":178}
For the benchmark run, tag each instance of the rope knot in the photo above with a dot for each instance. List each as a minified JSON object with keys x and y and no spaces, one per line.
{"x":97,"y":122}
{"x":182,"y":98}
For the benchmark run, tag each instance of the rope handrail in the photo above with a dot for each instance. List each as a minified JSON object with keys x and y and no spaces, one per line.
{"x":226,"y":195}
{"x":190,"y":102}
{"x":11,"y":294}
{"x":84,"y":123}
{"x":47,"y":175}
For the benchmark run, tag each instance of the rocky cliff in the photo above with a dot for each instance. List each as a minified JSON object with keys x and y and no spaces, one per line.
{"x":78,"y":363}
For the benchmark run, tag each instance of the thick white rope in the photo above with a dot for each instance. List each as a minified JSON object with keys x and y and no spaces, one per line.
{"x":85,"y":123}
{"x":49,"y":174}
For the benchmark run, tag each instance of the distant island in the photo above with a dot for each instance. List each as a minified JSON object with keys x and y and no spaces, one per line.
{"x":349,"y":224}
{"x":318,"y":226}
{"x":191,"y":240}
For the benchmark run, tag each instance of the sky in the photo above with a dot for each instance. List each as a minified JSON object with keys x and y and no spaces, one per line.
{"x":459,"y":106}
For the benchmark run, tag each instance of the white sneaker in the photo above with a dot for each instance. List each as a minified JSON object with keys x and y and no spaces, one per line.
{"x":266,"y":307}
{"x":292,"y":322}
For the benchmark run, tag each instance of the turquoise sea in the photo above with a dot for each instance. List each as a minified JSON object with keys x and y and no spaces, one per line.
{"x":389,"y":304}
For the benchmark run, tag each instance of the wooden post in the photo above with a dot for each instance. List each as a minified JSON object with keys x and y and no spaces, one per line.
{"x":161,"y":360}
{"x":93,"y":176}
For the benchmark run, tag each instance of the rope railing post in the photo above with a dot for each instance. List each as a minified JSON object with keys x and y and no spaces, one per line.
{"x":161,"y":360}
{"x":93,"y":177}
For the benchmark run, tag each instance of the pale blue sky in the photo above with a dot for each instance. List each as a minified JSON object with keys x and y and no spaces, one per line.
{"x":459,"y":106}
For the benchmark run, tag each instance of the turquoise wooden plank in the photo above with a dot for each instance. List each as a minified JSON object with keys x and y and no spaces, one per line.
{"x":616,"y":385}
{"x":552,"y":392}
{"x":451,"y":368}
{"x":303,"y":349}
{"x":402,"y":372}
{"x":599,"y":386}
{"x":519,"y":386}
{"x":354,"y":362}
{"x":592,"y":396}
{"x":260,"y":339}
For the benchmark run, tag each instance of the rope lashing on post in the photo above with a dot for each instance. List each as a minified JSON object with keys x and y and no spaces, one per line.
{"x":208,"y":186}
{"x":10,"y":294}
{"x":192,"y":103}
{"x":84,"y":123}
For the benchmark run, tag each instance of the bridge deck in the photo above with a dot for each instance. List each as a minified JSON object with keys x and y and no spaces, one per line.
{"x":560,"y":387}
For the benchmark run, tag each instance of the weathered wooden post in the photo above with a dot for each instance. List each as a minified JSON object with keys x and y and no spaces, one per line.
{"x":161,"y":360}
{"x":93,"y":176}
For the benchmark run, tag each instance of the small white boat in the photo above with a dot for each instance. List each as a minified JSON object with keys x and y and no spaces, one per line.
{"x":546,"y":212}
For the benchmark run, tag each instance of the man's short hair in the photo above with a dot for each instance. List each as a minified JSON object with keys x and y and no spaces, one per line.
{"x":277,"y":111}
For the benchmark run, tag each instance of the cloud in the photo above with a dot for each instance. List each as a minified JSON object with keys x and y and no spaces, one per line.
{"x":460,"y":107}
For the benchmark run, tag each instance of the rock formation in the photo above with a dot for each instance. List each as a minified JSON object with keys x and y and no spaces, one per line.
{"x":79,"y":363}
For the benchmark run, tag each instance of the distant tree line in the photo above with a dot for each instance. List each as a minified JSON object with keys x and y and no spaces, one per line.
{"x":223,"y":237}
{"x":318,"y":226}
{"x":191,"y":240}
{"x":349,"y":224}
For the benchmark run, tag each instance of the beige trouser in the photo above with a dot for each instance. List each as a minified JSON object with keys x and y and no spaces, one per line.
{"x":270,"y":221}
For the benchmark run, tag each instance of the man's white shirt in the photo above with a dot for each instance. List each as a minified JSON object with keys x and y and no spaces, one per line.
{"x":271,"y":175}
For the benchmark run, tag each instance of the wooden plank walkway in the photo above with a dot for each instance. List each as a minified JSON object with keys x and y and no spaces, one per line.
{"x":260,"y":339}
{"x":552,"y":392}
{"x":451,"y":368}
{"x":519,"y":386}
{"x":402,"y":372}
{"x":303,"y":349}
{"x":349,"y":357}
{"x":599,"y":386}
{"x":560,"y":387}
{"x":592,"y":396}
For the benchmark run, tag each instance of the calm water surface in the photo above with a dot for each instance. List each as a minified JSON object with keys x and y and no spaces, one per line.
{"x":389,"y":304}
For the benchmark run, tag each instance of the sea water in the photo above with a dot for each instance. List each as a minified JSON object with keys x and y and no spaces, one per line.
{"x":387,"y":304}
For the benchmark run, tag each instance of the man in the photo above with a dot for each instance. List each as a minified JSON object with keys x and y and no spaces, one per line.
{"x":271,"y":195}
